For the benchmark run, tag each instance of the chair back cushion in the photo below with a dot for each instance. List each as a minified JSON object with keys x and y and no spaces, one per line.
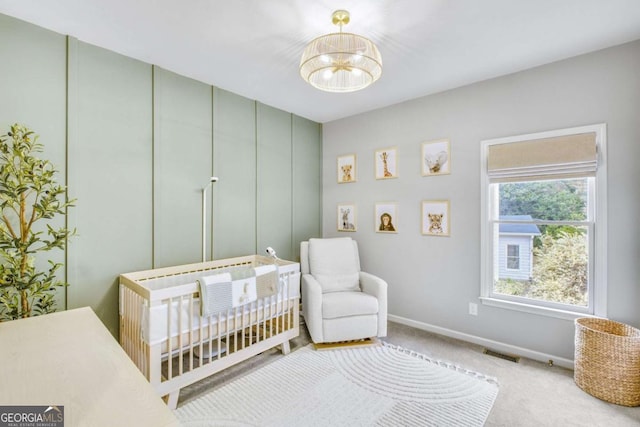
{"x":335,"y":264}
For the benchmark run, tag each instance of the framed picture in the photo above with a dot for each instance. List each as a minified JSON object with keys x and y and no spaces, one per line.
{"x":346,"y":217}
{"x":386,"y":163}
{"x":436,"y":158}
{"x":346,"y":168}
{"x":435,"y":217}
{"x":386,"y":220}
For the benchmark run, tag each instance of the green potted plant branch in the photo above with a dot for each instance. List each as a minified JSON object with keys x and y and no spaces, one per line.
{"x":29,"y":199}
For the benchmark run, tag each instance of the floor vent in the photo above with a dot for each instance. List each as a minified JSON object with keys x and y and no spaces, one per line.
{"x":509,"y":357}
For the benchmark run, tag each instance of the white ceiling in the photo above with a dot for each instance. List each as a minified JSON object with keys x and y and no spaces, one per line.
{"x":253,"y":47}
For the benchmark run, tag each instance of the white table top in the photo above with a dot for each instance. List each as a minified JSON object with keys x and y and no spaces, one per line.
{"x":70,"y":359}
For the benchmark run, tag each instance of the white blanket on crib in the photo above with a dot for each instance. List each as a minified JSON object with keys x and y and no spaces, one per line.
{"x":243,"y":287}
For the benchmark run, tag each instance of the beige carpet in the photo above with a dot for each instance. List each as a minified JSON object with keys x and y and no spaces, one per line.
{"x":383,"y":385}
{"x":532,"y":394}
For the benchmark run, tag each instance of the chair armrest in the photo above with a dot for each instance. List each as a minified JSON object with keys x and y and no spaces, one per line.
{"x":311,"y":292}
{"x":373,"y":285}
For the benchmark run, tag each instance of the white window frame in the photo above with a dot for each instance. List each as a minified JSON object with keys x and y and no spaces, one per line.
{"x":598,"y":234}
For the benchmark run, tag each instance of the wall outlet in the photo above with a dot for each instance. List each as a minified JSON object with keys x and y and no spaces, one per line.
{"x":473,"y":309}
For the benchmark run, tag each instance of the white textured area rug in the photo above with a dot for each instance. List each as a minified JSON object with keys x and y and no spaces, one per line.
{"x":370,"y":386}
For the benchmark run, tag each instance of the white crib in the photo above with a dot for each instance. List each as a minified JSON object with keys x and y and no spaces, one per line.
{"x":163,"y":333}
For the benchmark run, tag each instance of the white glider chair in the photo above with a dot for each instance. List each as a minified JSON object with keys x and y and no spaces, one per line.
{"x":340,"y":302}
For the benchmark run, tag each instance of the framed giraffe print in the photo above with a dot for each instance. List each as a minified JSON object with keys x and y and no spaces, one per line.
{"x":346,"y":168}
{"x":435,"y":218}
{"x":386,"y":163}
{"x":346,"y":217}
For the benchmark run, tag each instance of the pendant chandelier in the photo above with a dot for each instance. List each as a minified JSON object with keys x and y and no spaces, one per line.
{"x":341,"y":62}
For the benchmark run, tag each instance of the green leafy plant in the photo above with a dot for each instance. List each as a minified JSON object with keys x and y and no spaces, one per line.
{"x":29,"y":199}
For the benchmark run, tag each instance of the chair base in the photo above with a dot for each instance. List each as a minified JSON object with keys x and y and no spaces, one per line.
{"x":366,"y":342}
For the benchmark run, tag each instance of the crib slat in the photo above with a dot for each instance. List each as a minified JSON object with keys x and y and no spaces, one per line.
{"x":201,"y":336}
{"x":210,"y":337}
{"x":226,"y":327}
{"x":218,"y":340}
{"x":169,"y":321}
{"x":191,"y":337}
{"x":243,"y":327}
{"x":235,"y":329}
{"x":278,"y":315}
{"x":180,"y":334}
{"x":251,"y":325}
{"x":264,"y":318}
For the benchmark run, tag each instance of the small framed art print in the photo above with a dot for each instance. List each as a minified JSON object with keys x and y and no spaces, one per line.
{"x":386,"y":218}
{"x":346,"y":168}
{"x":435,"y":218}
{"x":386,"y":163}
{"x":436,"y":158}
{"x":347,"y":217}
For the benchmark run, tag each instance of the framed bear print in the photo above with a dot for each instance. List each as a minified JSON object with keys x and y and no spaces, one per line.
{"x":346,"y":168}
{"x":435,"y":218}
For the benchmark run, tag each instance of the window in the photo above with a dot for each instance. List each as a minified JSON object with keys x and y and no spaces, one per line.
{"x":544,"y":214}
{"x":513,"y":257}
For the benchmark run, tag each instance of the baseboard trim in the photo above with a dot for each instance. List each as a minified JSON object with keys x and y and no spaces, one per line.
{"x":494,"y":345}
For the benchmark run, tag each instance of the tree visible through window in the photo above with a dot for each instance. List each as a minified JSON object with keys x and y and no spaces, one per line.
{"x":560,"y":255}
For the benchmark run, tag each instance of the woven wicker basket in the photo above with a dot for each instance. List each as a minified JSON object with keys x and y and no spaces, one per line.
{"x":607,"y":360}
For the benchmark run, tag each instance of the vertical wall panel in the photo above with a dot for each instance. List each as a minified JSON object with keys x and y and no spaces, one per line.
{"x":182,"y":166}
{"x":33,"y":93}
{"x":235,"y":164}
{"x":274,"y":180}
{"x":109,"y":173}
{"x":307,"y":182}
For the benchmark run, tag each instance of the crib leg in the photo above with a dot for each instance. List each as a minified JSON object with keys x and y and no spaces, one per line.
{"x":171,"y":399}
{"x":285,"y":348}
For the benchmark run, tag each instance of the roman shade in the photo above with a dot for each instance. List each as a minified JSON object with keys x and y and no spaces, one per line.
{"x":566,"y":156}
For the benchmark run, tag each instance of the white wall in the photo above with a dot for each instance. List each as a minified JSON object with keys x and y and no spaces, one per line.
{"x":433,"y":279}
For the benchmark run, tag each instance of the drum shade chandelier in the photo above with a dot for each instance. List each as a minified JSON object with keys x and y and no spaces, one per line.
{"x":341,"y":62}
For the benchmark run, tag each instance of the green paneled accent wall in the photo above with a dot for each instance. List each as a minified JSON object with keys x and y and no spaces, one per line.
{"x":137,"y":144}
{"x":33,"y":93}
{"x":234,"y":141}
{"x":274,"y":180}
{"x":110,"y":156}
{"x":307,"y":182}
{"x":33,"y":84}
{"x":182,"y":166}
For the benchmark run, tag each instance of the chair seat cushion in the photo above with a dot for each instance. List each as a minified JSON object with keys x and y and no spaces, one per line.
{"x":346,"y":304}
